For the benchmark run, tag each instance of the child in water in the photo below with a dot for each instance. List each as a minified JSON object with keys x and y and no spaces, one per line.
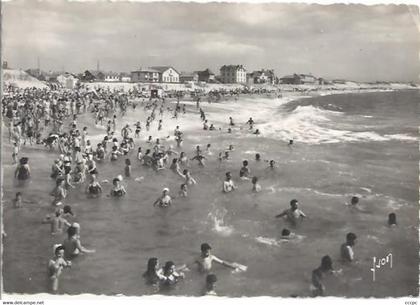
{"x":17,"y":202}
{"x":244,"y":172}
{"x":127,"y":169}
{"x":170,"y":275}
{"x":183,"y":192}
{"x":256,"y":188}
{"x":94,"y":189}
{"x":206,"y":259}
{"x":164,"y":200}
{"x":57,"y":222}
{"x":228,"y":185}
{"x":117,"y":190}
{"x":154,"y":273}
{"x":72,"y":244}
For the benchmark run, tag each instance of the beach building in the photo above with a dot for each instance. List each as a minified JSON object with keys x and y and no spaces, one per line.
{"x":90,"y":76}
{"x":157,"y":74}
{"x":145,"y":75}
{"x":206,"y":76}
{"x":167,"y":74}
{"x":112,"y":77}
{"x":308,"y":79}
{"x":125,"y":77}
{"x":299,"y":79}
{"x":87,"y":76}
{"x":67,"y":80}
{"x":233,"y":74}
{"x":188,"y":77}
{"x":261,"y":77}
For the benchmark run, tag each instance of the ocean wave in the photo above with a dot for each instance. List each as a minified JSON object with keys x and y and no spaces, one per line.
{"x":313,"y":125}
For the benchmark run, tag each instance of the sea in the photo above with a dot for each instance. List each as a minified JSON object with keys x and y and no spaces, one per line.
{"x":362,"y":144}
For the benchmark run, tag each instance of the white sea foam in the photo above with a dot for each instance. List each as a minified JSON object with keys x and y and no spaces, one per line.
{"x":268,"y":241}
{"x":217,"y":217}
{"x":305,"y":124}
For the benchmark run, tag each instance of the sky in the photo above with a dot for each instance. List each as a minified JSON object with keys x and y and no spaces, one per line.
{"x":355,"y":42}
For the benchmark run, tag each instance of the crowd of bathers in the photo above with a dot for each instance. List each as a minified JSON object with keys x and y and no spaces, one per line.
{"x":50,"y":118}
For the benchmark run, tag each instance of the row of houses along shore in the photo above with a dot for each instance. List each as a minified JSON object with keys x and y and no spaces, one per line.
{"x":228,"y":74}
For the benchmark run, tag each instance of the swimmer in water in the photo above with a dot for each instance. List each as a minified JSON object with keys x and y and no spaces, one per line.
{"x":117,"y":190}
{"x":164,"y":200}
{"x":72,"y":244}
{"x":57,"y":222}
{"x":154,"y":273}
{"x":206,"y":259}
{"x":272,"y":164}
{"x":392,"y":219}
{"x":175,"y":167}
{"x":127,"y":169}
{"x":257,"y":157}
{"x":211,"y":280}
{"x":17,"y":202}
{"x":200,"y":158}
{"x":317,"y":288}
{"x":183,"y":192}
{"x":256,"y":188}
{"x":244,"y":172}
{"x":189,"y":180}
{"x":56,"y":266}
{"x":23,"y":171}
{"x":94,"y":189}
{"x":228,"y":185}
{"x":290,"y":143}
{"x":59,"y":192}
{"x":208,"y":152}
{"x":170,"y":274}
{"x":231,"y":121}
{"x":287,"y":235}
{"x":346,"y":249}
{"x":293,"y":214}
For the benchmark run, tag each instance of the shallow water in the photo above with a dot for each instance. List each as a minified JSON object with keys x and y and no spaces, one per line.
{"x":345,"y":145}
